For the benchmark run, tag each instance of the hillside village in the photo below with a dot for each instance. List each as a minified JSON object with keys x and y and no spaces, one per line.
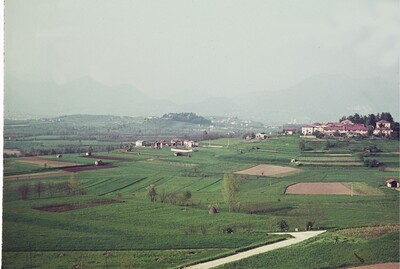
{"x":347,"y":128}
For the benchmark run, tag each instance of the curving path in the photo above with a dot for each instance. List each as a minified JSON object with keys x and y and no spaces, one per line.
{"x":298,"y":237}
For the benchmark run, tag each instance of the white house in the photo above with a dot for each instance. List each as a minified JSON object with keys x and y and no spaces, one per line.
{"x":261,"y":136}
{"x":383,"y":127}
{"x":140,"y":143}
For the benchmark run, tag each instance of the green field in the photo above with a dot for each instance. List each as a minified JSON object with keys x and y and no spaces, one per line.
{"x":172,"y":231}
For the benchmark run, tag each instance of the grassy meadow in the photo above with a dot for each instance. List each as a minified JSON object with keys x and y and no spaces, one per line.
{"x":115,"y":225}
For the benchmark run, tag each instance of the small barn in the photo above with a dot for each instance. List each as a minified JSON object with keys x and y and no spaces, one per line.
{"x":98,"y":162}
{"x":140,"y":143}
{"x":59,"y":155}
{"x":391,"y":183}
{"x":89,"y":153}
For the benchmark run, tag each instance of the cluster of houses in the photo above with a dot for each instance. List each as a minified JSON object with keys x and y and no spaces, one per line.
{"x":177,"y":143}
{"x":346,"y":128}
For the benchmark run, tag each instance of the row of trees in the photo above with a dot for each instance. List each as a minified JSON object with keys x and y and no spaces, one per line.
{"x":370,"y":119}
{"x":71,"y":187}
{"x":65,"y":150}
{"x":168,"y":197}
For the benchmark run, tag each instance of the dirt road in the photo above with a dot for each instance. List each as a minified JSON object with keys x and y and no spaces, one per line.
{"x":298,"y":237}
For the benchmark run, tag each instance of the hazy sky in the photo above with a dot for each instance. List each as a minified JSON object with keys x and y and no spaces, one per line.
{"x":210,"y":47}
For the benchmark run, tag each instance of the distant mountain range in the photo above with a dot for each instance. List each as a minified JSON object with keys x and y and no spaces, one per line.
{"x":319,"y":98}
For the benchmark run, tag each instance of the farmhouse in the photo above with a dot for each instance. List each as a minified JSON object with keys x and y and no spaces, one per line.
{"x":140,"y":143}
{"x":288,"y":131}
{"x":383,"y":128}
{"x":261,"y":136}
{"x":89,"y":153}
{"x":345,"y":127}
{"x":159,"y":144}
{"x":98,"y":162}
{"x":391,"y":183}
{"x":187,"y":143}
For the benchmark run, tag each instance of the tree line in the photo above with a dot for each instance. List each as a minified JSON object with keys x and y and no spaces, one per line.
{"x":370,"y":119}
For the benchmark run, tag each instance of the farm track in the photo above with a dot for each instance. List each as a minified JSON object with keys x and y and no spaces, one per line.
{"x":297,"y":238}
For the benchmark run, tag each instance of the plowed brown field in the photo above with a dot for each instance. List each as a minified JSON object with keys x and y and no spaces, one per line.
{"x":319,"y":188}
{"x":268,"y":170}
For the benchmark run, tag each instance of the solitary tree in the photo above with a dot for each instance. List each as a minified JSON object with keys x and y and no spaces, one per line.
{"x":186,"y":196}
{"x":152,"y":192}
{"x":231,"y":191}
{"x":39,"y":188}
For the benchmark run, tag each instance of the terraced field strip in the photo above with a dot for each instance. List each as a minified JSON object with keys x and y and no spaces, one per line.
{"x":297,"y":238}
{"x":42,"y":161}
{"x":387,"y":265}
{"x":328,"y":159}
{"x":37,"y":175}
{"x":111,"y":158}
{"x":332,"y":163}
{"x":180,"y":164}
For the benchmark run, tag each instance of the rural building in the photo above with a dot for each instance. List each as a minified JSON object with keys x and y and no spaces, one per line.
{"x":344,"y":128}
{"x":288,"y":131}
{"x":248,"y":137}
{"x":261,"y":136}
{"x":391,"y":183}
{"x":89,"y":153}
{"x":383,"y":128}
{"x":98,"y":162}
{"x":187,"y":143}
{"x":176,"y":142}
{"x":59,"y":155}
{"x":140,"y":143}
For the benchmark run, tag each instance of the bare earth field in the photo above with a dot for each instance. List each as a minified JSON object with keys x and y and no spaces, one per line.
{"x":268,"y":170}
{"x":318,"y":188}
{"x":41,"y":161}
{"x":388,"y":265}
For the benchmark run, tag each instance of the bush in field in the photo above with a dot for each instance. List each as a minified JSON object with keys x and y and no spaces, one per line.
{"x":372,"y":163}
{"x":152,"y":192}
{"x":283,"y":225}
{"x":24,"y":191}
{"x":256,"y":207}
{"x":309,"y":225}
